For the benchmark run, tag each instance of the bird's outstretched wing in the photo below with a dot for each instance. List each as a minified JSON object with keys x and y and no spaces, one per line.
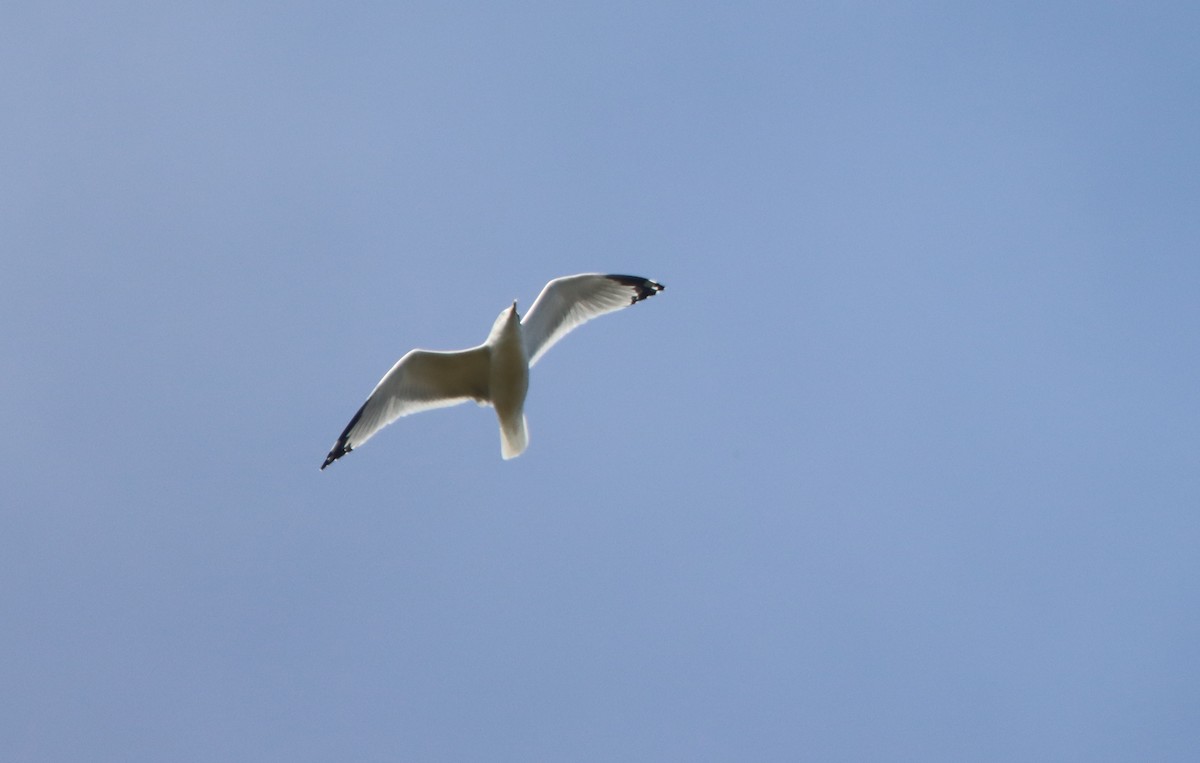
{"x":570,"y":301}
{"x":420,"y":381}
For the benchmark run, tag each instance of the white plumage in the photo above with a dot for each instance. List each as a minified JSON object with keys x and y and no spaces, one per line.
{"x":495,"y":373}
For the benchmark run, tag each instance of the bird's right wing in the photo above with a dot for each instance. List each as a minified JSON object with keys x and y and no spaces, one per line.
{"x":420,"y":381}
{"x":570,"y":301}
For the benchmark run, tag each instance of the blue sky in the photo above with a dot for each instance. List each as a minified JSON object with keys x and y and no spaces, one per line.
{"x":903,"y":464}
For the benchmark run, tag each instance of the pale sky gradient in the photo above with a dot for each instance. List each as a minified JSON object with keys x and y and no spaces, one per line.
{"x":904,"y":464}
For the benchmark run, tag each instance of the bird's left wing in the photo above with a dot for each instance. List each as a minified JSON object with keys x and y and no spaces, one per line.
{"x":570,"y":301}
{"x":420,"y":381}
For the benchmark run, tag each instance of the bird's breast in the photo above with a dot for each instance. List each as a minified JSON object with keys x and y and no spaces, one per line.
{"x":509,"y":372}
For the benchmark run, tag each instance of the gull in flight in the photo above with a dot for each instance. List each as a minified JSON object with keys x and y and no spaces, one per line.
{"x":495,"y":373}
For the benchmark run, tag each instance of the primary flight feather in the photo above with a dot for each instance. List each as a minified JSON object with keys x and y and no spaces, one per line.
{"x":495,"y":373}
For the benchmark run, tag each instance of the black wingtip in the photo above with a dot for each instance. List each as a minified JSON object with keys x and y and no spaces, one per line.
{"x":342,"y":446}
{"x":643,"y":288}
{"x":338,"y":451}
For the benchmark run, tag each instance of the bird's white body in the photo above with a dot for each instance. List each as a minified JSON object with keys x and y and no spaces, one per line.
{"x":495,"y":373}
{"x":508,"y":382}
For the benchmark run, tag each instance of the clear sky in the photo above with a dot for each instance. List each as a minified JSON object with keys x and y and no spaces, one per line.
{"x":903,"y":465}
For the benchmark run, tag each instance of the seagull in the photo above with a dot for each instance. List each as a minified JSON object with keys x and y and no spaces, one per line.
{"x":495,"y":373}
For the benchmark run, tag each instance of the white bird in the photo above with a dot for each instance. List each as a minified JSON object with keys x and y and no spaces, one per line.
{"x":495,"y":373}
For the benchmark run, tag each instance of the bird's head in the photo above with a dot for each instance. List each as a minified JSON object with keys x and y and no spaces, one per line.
{"x":508,"y":319}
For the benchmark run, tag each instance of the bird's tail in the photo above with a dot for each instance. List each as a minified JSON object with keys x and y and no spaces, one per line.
{"x":514,"y":436}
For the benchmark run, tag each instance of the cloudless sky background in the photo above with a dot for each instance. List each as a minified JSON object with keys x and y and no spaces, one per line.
{"x":904,"y":464}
